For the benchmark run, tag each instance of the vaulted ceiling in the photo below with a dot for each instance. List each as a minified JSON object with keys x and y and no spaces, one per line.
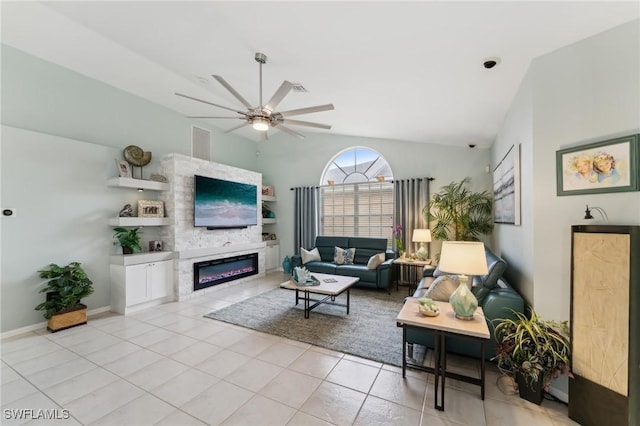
{"x":398,"y":70}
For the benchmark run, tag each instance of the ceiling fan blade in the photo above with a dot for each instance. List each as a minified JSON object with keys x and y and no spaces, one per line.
{"x":233,"y":91}
{"x":211,"y":103}
{"x":237,"y":127}
{"x":201,"y":116}
{"x":306,"y":123}
{"x":307,"y":110}
{"x":291,"y":132}
{"x":277,"y":97}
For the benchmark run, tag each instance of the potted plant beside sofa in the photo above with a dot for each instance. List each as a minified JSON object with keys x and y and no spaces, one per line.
{"x":460,"y":214}
{"x":66,"y":287}
{"x":533,"y":351}
{"x":129,"y":239}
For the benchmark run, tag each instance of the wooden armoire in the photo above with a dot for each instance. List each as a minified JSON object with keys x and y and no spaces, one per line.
{"x":605,"y":325}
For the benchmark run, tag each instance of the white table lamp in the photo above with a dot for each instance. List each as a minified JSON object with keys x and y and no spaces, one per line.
{"x":463,"y":258}
{"x":422,"y":236}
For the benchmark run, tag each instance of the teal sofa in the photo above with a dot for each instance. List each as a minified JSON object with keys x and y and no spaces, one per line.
{"x":379,"y":278}
{"x":496,"y":297}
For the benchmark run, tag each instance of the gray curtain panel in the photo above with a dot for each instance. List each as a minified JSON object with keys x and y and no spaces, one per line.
{"x":305,"y":218}
{"x":410,"y":197}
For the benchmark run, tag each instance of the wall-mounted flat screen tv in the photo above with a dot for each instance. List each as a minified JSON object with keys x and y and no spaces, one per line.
{"x":221,"y":203}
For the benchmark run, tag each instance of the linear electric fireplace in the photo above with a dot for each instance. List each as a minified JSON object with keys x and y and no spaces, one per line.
{"x":218,"y":271}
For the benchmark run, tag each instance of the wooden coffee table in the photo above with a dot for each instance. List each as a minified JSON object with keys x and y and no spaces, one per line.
{"x":329,"y":285}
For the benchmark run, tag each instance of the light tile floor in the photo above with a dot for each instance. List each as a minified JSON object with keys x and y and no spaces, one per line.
{"x":169,"y":365}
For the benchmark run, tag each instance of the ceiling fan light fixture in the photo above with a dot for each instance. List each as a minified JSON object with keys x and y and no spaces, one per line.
{"x":260,"y":124}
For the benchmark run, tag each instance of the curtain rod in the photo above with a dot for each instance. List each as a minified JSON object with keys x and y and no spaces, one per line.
{"x":373,"y":181}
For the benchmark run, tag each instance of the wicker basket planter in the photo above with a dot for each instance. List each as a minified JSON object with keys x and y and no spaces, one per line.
{"x":67,"y":319}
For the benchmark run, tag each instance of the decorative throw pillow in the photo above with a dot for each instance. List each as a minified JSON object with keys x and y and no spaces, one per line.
{"x":442,"y":287}
{"x":375,"y":261}
{"x":343,"y":256}
{"x":309,"y":255}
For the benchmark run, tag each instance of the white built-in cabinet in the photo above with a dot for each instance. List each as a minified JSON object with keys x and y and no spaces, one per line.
{"x":272,"y":256}
{"x":139,"y":281}
{"x":272,"y":253}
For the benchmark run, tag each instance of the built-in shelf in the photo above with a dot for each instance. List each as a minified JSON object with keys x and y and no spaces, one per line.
{"x":139,"y":221}
{"x":267,"y":220}
{"x":140,"y":258}
{"x":151,"y":185}
{"x":270,"y":198}
{"x":272,"y":242}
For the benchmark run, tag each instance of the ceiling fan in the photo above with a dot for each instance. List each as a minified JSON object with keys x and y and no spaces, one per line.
{"x":264,"y":116}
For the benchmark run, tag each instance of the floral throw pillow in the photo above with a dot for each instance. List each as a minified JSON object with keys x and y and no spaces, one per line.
{"x":343,"y":256}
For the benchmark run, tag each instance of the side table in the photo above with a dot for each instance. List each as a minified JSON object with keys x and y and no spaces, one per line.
{"x":442,"y":325}
{"x":410,"y":270}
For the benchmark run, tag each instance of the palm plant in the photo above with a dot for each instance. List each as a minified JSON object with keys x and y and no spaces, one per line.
{"x":460,"y":215}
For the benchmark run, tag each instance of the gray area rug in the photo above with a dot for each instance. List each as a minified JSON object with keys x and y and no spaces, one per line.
{"x":369,"y":331}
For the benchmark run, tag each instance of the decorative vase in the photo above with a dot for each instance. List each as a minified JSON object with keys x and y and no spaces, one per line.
{"x":286,"y":265}
{"x":463,"y":302}
{"x":532,"y":393}
{"x":127,"y":250}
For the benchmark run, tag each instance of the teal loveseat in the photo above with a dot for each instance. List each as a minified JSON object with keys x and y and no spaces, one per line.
{"x":379,"y":278}
{"x":496,"y":297}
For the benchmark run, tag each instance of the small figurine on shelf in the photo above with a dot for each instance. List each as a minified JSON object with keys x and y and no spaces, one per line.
{"x":127,"y":211}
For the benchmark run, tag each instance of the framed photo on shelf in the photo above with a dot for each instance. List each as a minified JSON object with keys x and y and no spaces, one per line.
{"x":599,"y":167}
{"x":124,"y":169}
{"x":150,"y":208}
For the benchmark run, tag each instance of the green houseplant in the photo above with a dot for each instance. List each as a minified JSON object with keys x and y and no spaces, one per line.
{"x":65,"y":288}
{"x":533,"y":351}
{"x":460,"y":215}
{"x":129,"y":239}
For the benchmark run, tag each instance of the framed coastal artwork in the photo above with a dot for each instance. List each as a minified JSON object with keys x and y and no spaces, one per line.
{"x":506,"y":188}
{"x":599,"y":167}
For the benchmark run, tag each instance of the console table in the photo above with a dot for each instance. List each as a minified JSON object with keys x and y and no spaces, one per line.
{"x":443,"y":325}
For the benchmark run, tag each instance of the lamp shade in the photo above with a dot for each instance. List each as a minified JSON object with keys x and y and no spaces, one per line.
{"x":463,"y":257}
{"x":421,"y":236}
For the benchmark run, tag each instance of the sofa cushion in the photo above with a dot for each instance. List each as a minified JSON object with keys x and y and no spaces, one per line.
{"x":442,"y":287}
{"x":321,"y":267}
{"x":326,"y":246}
{"x":482,"y":285}
{"x":367,"y":247}
{"x":360,"y":271}
{"x":375,"y":260}
{"x":343,"y":256}
{"x":309,"y":255}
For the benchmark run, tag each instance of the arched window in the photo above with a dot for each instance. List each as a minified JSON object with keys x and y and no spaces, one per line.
{"x":356,"y":195}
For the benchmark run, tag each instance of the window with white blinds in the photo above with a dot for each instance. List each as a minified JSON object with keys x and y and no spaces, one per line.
{"x":363,"y":209}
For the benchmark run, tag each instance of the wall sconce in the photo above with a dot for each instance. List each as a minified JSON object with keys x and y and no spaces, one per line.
{"x":600,"y":210}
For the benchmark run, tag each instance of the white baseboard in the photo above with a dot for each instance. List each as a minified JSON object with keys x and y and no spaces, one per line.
{"x":41,"y":325}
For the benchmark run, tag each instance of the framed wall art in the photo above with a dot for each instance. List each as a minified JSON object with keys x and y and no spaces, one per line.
{"x":605,"y":166}
{"x":506,"y":188}
{"x":150,"y":208}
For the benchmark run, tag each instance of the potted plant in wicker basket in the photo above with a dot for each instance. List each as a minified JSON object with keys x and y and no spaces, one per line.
{"x":66,"y":287}
{"x":533,"y":351}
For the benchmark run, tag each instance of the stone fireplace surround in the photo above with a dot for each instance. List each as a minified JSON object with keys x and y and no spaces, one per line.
{"x":192,"y":245}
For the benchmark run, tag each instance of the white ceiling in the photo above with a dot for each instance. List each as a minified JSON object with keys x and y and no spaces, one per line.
{"x":408,"y":71}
